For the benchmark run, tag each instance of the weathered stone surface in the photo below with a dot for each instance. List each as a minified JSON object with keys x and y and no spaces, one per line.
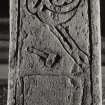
{"x":53,"y":90}
{"x":54,"y":52}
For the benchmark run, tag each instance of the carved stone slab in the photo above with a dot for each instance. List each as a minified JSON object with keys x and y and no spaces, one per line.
{"x":54,"y":54}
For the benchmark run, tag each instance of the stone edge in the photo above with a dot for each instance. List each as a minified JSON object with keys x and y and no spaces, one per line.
{"x":96,"y":51}
{"x":12,"y":78}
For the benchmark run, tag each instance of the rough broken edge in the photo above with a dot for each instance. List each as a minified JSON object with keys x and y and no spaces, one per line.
{"x":94,"y":11}
{"x":95,"y":34}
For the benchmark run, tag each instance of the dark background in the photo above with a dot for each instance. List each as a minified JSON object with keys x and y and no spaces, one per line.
{"x":4,"y":8}
{"x":102,"y":3}
{"x":4,"y":47}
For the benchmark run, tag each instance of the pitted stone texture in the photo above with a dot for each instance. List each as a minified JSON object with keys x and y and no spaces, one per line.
{"x":51,"y":53}
{"x":51,"y":90}
{"x":68,"y":39}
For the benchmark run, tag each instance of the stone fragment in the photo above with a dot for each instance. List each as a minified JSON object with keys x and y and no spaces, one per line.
{"x":55,"y":56}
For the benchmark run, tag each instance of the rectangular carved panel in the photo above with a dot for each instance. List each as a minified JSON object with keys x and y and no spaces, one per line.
{"x":54,"y":52}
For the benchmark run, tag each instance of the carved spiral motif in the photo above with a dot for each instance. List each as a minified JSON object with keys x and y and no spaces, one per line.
{"x":60,"y":2}
{"x":56,"y":6}
{"x":56,"y":11}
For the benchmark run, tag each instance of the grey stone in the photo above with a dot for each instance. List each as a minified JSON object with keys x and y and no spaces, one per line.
{"x":54,"y":56}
